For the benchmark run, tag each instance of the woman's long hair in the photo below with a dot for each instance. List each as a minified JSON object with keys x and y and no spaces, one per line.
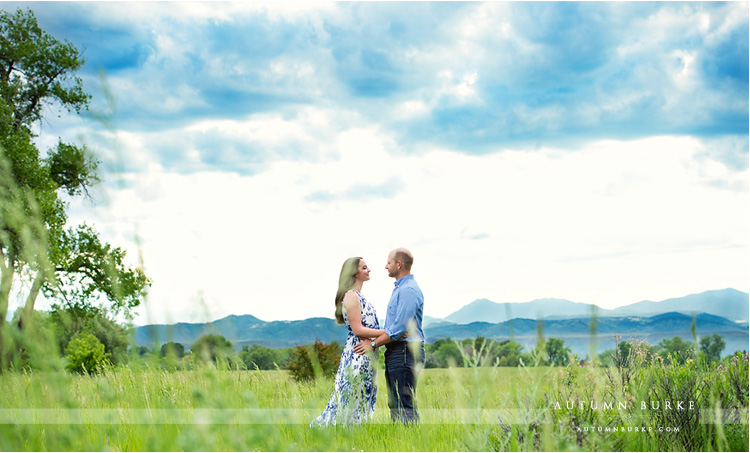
{"x":346,"y":281}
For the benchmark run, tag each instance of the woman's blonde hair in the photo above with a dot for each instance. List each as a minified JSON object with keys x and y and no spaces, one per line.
{"x":346,"y":281}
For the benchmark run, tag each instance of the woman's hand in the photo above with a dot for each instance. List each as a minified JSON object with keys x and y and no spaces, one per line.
{"x":362,"y":347}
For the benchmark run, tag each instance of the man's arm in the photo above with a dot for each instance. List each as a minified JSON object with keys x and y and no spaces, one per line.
{"x":364,"y":346}
{"x":405,"y":312}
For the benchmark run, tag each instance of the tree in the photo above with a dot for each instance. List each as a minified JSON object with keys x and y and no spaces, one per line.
{"x":676,"y":349}
{"x":210,"y":348}
{"x":140,"y":351}
{"x":257,"y":356}
{"x":480,"y":351}
{"x":37,"y":251}
{"x":306,"y":363}
{"x":447,"y":354}
{"x":712,"y":346}
{"x":557,"y":352}
{"x":174,"y":349}
{"x":37,"y":69}
{"x":508,"y":353}
{"x":171,"y":354}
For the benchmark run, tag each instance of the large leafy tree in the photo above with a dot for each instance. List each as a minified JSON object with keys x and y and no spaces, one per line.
{"x":509,"y":353}
{"x":557,"y":352}
{"x":712,"y":346}
{"x":210,"y":348}
{"x":72,"y":265}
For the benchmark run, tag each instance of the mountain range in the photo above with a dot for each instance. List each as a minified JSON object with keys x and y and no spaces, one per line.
{"x":727,"y":303}
{"x":245,"y":329}
{"x":570,"y":321}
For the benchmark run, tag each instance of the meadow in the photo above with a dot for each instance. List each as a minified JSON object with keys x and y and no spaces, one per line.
{"x":49,"y":402}
{"x":143,"y":408}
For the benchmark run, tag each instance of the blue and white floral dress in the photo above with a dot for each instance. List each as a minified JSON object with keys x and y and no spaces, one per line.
{"x":354,"y":390}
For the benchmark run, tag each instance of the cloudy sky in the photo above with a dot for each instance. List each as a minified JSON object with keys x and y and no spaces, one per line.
{"x":596,"y":152}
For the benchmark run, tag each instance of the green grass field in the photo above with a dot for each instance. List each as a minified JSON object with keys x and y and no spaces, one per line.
{"x":467,"y":409}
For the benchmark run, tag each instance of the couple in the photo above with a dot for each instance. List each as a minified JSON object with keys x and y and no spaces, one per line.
{"x":354,"y":390}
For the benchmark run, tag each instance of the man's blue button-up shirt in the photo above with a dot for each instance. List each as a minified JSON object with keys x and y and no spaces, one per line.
{"x":404,"y":309}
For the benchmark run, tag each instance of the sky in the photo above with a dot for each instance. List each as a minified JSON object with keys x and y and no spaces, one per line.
{"x":595,"y":152}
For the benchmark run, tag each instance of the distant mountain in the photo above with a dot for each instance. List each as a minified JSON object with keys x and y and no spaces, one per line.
{"x":428,"y":321}
{"x":666,"y":322}
{"x":231,"y":327}
{"x":246,"y":329}
{"x":487,"y":311}
{"x":727,"y":303}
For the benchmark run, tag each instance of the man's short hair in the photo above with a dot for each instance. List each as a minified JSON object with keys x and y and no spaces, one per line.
{"x":405,"y":257}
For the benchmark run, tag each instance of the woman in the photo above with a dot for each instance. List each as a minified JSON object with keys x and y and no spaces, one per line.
{"x":354,"y":390}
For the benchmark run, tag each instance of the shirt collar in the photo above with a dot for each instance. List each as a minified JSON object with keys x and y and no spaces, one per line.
{"x":401,"y":280}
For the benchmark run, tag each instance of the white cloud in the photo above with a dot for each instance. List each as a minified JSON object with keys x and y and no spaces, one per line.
{"x":411,"y":109}
{"x":219,"y":187}
{"x":611,"y":223}
{"x":458,"y":89}
{"x":733,"y":15}
{"x":150,"y":13}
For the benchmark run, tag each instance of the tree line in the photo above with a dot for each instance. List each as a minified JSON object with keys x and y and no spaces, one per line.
{"x":481,"y":351}
{"x":443,"y":353}
{"x":88,"y":340}
{"x":669,"y":350}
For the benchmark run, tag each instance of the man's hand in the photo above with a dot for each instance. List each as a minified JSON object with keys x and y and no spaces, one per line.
{"x":362,"y":347}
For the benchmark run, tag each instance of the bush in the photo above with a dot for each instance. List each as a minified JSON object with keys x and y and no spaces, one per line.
{"x":645,"y":383}
{"x":306,"y":363}
{"x":85,"y":353}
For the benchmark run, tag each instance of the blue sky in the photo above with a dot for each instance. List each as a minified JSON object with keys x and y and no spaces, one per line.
{"x":525,"y":150}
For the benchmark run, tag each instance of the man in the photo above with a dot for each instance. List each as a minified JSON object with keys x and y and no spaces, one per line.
{"x":404,"y":355}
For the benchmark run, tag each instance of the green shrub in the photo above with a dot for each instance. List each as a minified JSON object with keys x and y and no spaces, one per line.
{"x":72,"y":320}
{"x":85,"y":353}
{"x":559,"y":409}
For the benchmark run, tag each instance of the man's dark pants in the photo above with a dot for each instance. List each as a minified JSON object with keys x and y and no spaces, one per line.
{"x":401,"y":377}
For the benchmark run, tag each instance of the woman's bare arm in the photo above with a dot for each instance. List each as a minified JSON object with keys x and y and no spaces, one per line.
{"x":354,"y":314}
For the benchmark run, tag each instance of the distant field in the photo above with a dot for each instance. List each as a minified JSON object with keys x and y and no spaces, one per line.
{"x":466,"y":409}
